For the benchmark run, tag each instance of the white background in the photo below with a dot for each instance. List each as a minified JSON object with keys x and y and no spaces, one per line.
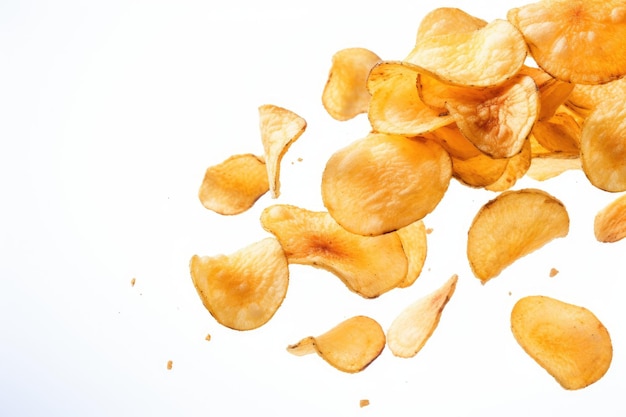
{"x":110,"y":112}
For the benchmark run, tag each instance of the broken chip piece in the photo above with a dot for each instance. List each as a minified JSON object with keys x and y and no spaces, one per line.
{"x":610,"y":223}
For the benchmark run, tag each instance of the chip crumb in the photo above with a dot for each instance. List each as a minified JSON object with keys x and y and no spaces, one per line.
{"x":510,"y":293}
{"x":208,"y":338}
{"x":132,"y":282}
{"x":429,"y":230}
{"x":169,"y":365}
{"x":300,"y":159}
{"x":364,"y":403}
{"x":553,"y":272}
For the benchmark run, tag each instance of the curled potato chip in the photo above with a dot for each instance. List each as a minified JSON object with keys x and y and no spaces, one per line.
{"x":516,"y":167}
{"x":552,"y":92}
{"x":576,"y":41}
{"x":279,"y":129}
{"x":369,"y":266}
{"x":560,"y":133}
{"x":413,"y":238}
{"x":511,"y":226}
{"x":481,"y":58}
{"x":381,"y":183}
{"x":610,"y":223}
{"x":568,"y":341}
{"x":345,"y":94}
{"x":234,"y":185}
{"x":395,"y":106}
{"x":446,"y":20}
{"x":585,"y":98}
{"x":350,"y":346}
{"x":546,"y":166}
{"x":410,"y":331}
{"x":243,"y":290}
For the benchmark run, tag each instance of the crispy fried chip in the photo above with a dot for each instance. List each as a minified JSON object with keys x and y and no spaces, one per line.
{"x":511,"y":226}
{"x":413,"y":238}
{"x":560,"y":133}
{"x":369,"y":266}
{"x":350,"y":346}
{"x":585,"y":98}
{"x":410,"y":331}
{"x":568,"y":341}
{"x":552,"y":92}
{"x":279,"y":129}
{"x":446,"y":20}
{"x":610,"y":223}
{"x":546,"y":166}
{"x":381,"y":183}
{"x":485,"y":57}
{"x":345,"y":94}
{"x":516,"y":167}
{"x":243,"y":290}
{"x":234,"y":185}
{"x":576,"y":41}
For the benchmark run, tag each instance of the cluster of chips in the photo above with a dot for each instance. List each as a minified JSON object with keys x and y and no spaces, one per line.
{"x":463,"y":104}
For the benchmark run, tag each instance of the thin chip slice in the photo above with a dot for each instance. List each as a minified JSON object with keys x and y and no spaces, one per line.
{"x":567,"y":340}
{"x":382,"y":183}
{"x":447,"y":20}
{"x":511,"y":226}
{"x":560,"y":133}
{"x":279,"y":129}
{"x":369,"y":266}
{"x":243,"y":290}
{"x":345,"y":94}
{"x":234,"y":185}
{"x":482,"y":58}
{"x":585,"y":98}
{"x":610,"y":223}
{"x":516,"y":167}
{"x":410,"y":331}
{"x":413,"y":238}
{"x":350,"y":346}
{"x":577,"y":41}
{"x":552,"y":92}
{"x":546,"y":166}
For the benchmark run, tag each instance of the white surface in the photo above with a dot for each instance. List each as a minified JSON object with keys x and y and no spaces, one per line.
{"x":109,"y":114}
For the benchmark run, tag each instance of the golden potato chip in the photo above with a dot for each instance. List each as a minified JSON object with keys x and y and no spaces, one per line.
{"x":610,"y":223}
{"x":553,"y":272}
{"x":568,"y":341}
{"x":446,"y":20}
{"x":481,"y":58}
{"x":585,"y":98}
{"x":369,"y":266}
{"x":511,"y":226}
{"x":234,"y":185}
{"x":350,"y":346}
{"x":243,"y":290}
{"x":410,"y":331}
{"x":413,"y":238}
{"x":395,"y":106}
{"x":576,"y":41}
{"x":345,"y":94}
{"x":381,"y":183}
{"x":279,"y":129}
{"x":546,"y":166}
{"x":516,"y":167}
{"x":560,"y":133}
{"x":552,"y":92}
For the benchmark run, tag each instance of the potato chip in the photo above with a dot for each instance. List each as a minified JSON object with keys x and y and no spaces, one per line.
{"x":234,"y":185}
{"x":369,"y":266}
{"x":381,"y":183}
{"x":447,"y":20}
{"x":560,"y":133}
{"x":413,"y":238}
{"x":511,"y":226}
{"x":610,"y":223}
{"x":552,"y":92}
{"x":568,"y":341}
{"x":576,"y":41}
{"x":350,"y":346}
{"x":279,"y":129}
{"x":410,"y":331}
{"x":481,"y":58}
{"x":516,"y":167}
{"x":345,"y":94}
{"x":546,"y":166}
{"x":243,"y":290}
{"x":585,"y":98}
{"x":395,"y":106}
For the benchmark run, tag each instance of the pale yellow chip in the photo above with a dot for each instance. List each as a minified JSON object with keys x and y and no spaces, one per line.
{"x":610,"y":223}
{"x":243,"y":290}
{"x":369,"y":266}
{"x":567,"y":340}
{"x":279,"y":129}
{"x":577,"y":41}
{"x":350,"y":346}
{"x":447,"y":20}
{"x":481,"y":58}
{"x":415,"y":245}
{"x":395,"y":106}
{"x":511,"y":226}
{"x":412,"y":328}
{"x":546,"y":166}
{"x":382,"y":183}
{"x":234,"y":185}
{"x":345,"y":94}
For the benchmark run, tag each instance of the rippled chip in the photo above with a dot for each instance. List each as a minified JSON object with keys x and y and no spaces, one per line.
{"x":413,"y":238}
{"x":511,"y":226}
{"x":382,"y":183}
{"x":568,"y":341}
{"x":345,"y":94}
{"x":243,"y":290}
{"x":369,"y":266}
{"x":234,"y":185}
{"x":610,"y":223}
{"x":410,"y":331}
{"x":447,"y":20}
{"x":576,"y":41}
{"x":279,"y":129}
{"x":481,"y":58}
{"x":350,"y":346}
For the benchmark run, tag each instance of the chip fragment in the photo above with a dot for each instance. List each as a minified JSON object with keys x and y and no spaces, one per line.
{"x":446,"y":20}
{"x":413,"y":238}
{"x":610,"y":223}
{"x":349,"y":347}
{"x":567,"y":340}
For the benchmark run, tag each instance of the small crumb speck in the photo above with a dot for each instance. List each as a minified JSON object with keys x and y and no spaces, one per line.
{"x":208,"y":338}
{"x":553,"y":272}
{"x":132,"y":282}
{"x":169,"y":365}
{"x":364,"y":403}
